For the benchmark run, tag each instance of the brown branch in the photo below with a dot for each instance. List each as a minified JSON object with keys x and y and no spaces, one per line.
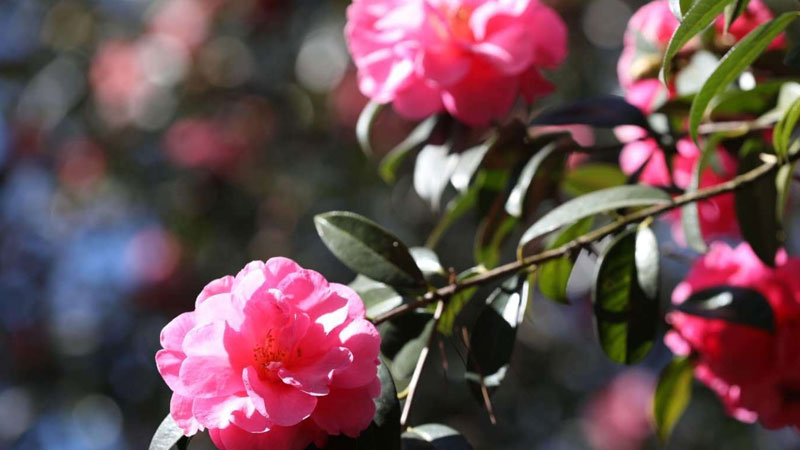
{"x":511,"y":268}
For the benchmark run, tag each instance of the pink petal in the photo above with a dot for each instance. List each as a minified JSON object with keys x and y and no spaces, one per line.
{"x":218,"y":286}
{"x":470,"y":102}
{"x":206,"y":340}
{"x":209,"y":376}
{"x":509,"y":49}
{"x":180,"y":408}
{"x":347,"y":411}
{"x":417,"y":100}
{"x":355,"y":306}
{"x":279,"y":268}
{"x":217,"y":412}
{"x":363,"y":340}
{"x":533,"y":85}
{"x":282,"y":404}
{"x":173,"y":333}
{"x":444,"y":66}
{"x":169,"y":366}
{"x":315,"y":377}
{"x":277,"y":438}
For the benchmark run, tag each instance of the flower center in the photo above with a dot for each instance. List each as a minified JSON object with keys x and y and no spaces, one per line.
{"x":452,"y":22}
{"x":267,"y":353}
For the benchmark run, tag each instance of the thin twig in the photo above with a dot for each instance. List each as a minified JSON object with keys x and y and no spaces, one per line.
{"x":582,"y":241}
{"x":423,"y":355}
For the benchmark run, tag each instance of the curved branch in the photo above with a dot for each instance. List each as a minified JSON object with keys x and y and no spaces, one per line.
{"x":770,"y":165}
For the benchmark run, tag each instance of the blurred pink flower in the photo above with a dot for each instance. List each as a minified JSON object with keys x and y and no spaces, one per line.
{"x":469,"y":57}
{"x":153,"y":254}
{"x":118,"y":79}
{"x":81,"y":163}
{"x":198,"y":142}
{"x":185,"y":21}
{"x":756,"y":14}
{"x":755,"y":373}
{"x":275,"y":357}
{"x":717,"y":214}
{"x":618,"y":417}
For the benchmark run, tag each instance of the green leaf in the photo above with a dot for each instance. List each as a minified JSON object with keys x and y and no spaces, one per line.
{"x":378,"y":297}
{"x":402,"y":341}
{"x":679,"y":7}
{"x":364,"y":125}
{"x":696,"y":19}
{"x":592,"y":177}
{"x":733,"y":11}
{"x":784,"y":128}
{"x":604,"y":112}
{"x":456,"y":208}
{"x":434,"y":436}
{"x":554,"y":274}
{"x":516,"y":200}
{"x":733,"y":63}
{"x":673,"y":392}
{"x":457,"y":302}
{"x":594,"y":203}
{"x":367,"y":248}
{"x":757,"y":212}
{"x":732,"y":304}
{"x":786,"y":91}
{"x":469,"y":161}
{"x":690,"y":214}
{"x":389,"y":164}
{"x":168,"y":435}
{"x":783,"y":184}
{"x":427,"y":261}
{"x":384,"y":430}
{"x":625,"y":304}
{"x":432,"y":172}
{"x":491,"y":234}
{"x":495,"y":330}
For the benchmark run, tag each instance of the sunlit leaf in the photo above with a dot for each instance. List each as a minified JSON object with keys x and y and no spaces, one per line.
{"x":378,"y":297}
{"x":695,"y":20}
{"x":554,"y":274}
{"x":434,"y":436}
{"x":368,"y":248}
{"x":784,"y":128}
{"x":469,"y":162}
{"x":673,"y":392}
{"x":594,"y":203}
{"x":625,"y":304}
{"x":733,"y":11}
{"x":168,"y":435}
{"x":516,"y":200}
{"x":592,"y":177}
{"x":388,"y":166}
{"x":734,"y":62}
{"x":435,"y":164}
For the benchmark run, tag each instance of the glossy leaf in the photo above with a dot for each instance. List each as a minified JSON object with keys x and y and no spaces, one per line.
{"x":168,"y":435}
{"x":679,"y":7}
{"x":733,"y":11}
{"x":756,"y":211}
{"x":516,"y":200}
{"x":594,"y":203}
{"x":592,"y":177}
{"x":434,"y":436}
{"x":603,"y":112}
{"x":695,"y":20}
{"x":389,"y":164}
{"x":369,"y":249}
{"x":733,"y":63}
{"x":435,"y":164}
{"x":732,"y":304}
{"x":469,"y":161}
{"x":402,"y":341}
{"x":364,"y":125}
{"x":378,"y":297}
{"x":625,"y":304}
{"x":427,"y":261}
{"x":672,"y":396}
{"x":784,"y":128}
{"x":554,"y":274}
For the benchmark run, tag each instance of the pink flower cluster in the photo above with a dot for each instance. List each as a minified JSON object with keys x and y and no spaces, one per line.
{"x":275,"y":357}
{"x":755,"y":373}
{"x":646,"y":38}
{"x":472,"y":58}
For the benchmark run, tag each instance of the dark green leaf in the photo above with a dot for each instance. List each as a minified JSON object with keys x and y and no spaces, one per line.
{"x":495,"y":330}
{"x":784,"y":128}
{"x":491,"y":234}
{"x":457,"y":302}
{"x":756,"y":210}
{"x":604,"y":112}
{"x":367,"y":248}
{"x":516,"y":200}
{"x":592,"y":177}
{"x":456,"y":208}
{"x":733,"y":63}
{"x":168,"y":435}
{"x":364,"y":126}
{"x":594,"y":203}
{"x":696,"y":19}
{"x":554,"y":274}
{"x":626,"y":312}
{"x":434,"y":436}
{"x":402,"y":341}
{"x":733,"y":304}
{"x":388,"y":166}
{"x":672,"y":396}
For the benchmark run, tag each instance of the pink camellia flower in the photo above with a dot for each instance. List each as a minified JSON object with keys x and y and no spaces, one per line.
{"x":718,"y":214}
{"x":275,"y":357}
{"x":755,"y":373}
{"x":618,"y":417}
{"x":650,"y":29}
{"x":469,"y":57}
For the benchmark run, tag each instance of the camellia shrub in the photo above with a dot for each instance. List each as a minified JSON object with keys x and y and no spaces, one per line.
{"x":279,"y":358}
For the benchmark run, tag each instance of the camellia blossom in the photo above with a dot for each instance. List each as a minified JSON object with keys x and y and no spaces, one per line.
{"x":755,"y":373}
{"x":275,"y":357}
{"x":618,"y":417}
{"x":471,"y":58}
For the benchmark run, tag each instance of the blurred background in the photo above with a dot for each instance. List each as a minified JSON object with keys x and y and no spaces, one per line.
{"x":149,"y":146}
